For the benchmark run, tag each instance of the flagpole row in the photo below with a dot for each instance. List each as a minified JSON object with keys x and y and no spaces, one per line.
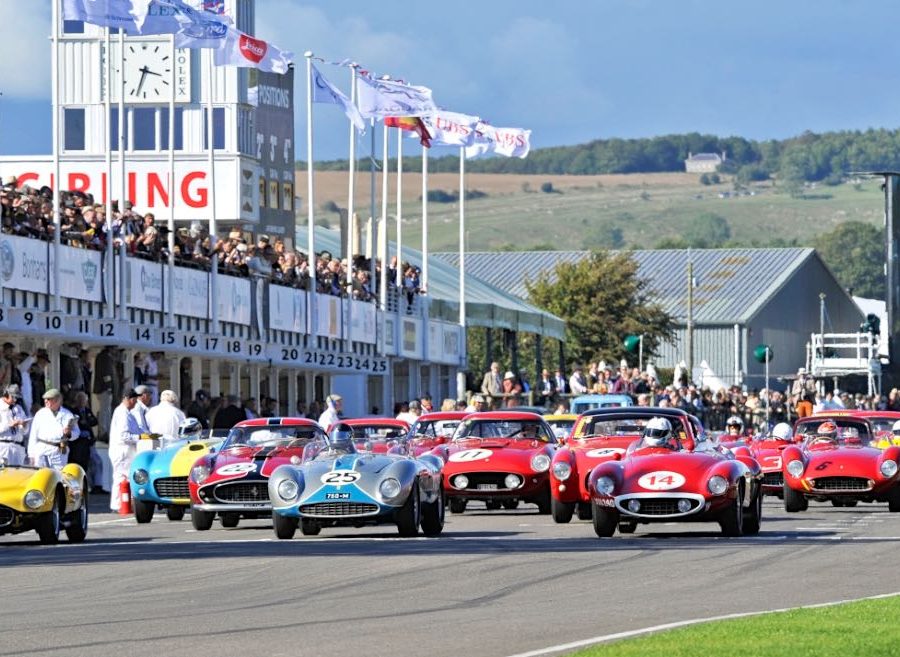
{"x":123,"y":178}
{"x":108,"y":189}
{"x":351,"y":183}
{"x":170,"y":279}
{"x":213,"y":226}
{"x":399,"y":281}
{"x":57,"y":184}
{"x":424,"y":281}
{"x":310,"y":193}
{"x":382,"y":232}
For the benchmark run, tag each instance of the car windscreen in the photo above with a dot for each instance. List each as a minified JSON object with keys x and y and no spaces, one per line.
{"x":272,"y":436}
{"x":377,"y":432}
{"x":434,"y":428}
{"x":601,"y":426}
{"x":528,"y":429}
{"x":850,"y":431}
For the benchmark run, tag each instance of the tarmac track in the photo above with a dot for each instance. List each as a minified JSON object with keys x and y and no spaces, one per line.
{"x":495,"y":584}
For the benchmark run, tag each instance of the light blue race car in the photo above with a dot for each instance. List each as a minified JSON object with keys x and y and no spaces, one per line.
{"x":334,"y":485}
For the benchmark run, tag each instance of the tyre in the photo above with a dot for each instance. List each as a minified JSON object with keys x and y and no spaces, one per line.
{"x":457,"y":505}
{"x":493,"y":505}
{"x":753,"y":515}
{"x":605,"y":520}
{"x":894,"y":500}
{"x":584,"y":511}
{"x":732,"y":519}
{"x":627,"y":526}
{"x":794,"y":500}
{"x":511,"y":504}
{"x":285,"y":526}
{"x":543,"y":502}
{"x":230,"y":520}
{"x":76,"y":532}
{"x":433,"y":516}
{"x":309,"y":527}
{"x":202,"y":520}
{"x":561,"y":512}
{"x":408,"y":514}
{"x":47,"y":526}
{"x":143,"y":511}
{"x":175,"y":513}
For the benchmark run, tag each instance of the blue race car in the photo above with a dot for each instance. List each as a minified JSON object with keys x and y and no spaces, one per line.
{"x":334,"y":485}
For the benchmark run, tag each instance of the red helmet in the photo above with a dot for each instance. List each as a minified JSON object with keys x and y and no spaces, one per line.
{"x":827,"y":430}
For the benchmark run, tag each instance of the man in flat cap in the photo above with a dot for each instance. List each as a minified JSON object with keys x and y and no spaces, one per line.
{"x":12,"y":427}
{"x":51,"y":429}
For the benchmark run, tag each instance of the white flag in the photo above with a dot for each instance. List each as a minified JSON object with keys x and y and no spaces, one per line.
{"x":121,"y":14}
{"x":193,"y":28}
{"x":325,"y":92}
{"x":511,"y":142}
{"x":381,"y":98}
{"x":248,"y":52}
{"x":451,"y":128}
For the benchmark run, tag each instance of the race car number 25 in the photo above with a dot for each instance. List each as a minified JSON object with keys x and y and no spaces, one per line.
{"x":340,"y":477}
{"x":661,"y":480}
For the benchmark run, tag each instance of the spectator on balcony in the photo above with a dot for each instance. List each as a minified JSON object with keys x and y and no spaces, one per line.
{"x":510,"y":390}
{"x":145,"y":243}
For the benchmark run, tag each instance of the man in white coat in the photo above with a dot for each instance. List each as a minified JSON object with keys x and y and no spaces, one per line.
{"x":124,"y":434}
{"x":51,"y":429}
{"x":165,"y":417}
{"x":12,"y":427}
{"x":331,"y":414}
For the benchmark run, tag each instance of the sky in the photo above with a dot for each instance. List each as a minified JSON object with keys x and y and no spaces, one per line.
{"x":571,"y":71}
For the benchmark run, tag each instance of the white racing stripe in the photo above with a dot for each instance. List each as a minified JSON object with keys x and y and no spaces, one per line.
{"x":695,"y":621}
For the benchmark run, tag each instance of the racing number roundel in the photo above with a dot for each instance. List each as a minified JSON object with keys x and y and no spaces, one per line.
{"x":236,"y":469}
{"x":604,"y":452}
{"x":339,"y":477}
{"x":468,"y":455}
{"x":661,"y":480}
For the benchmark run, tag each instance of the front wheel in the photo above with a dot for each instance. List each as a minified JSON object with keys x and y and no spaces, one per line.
{"x":753,"y":515}
{"x":202,"y":520}
{"x":143,"y":511}
{"x":543,"y":502}
{"x":561,"y":512}
{"x":605,"y":520}
{"x":285,"y":526}
{"x":732,"y":520}
{"x":175,"y":513}
{"x":408,"y":515}
{"x":433,"y":516}
{"x":76,"y":531}
{"x":457,"y":505}
{"x":47,"y":526}
{"x":894,"y":500}
{"x":794,"y":500}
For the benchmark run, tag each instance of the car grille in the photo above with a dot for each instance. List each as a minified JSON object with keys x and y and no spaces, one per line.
{"x":244,"y":491}
{"x":332,"y":509}
{"x":172,"y":487}
{"x":660,"y":506}
{"x":841,"y":483}
{"x":6,"y":516}
{"x":493,"y":479}
{"x":773,"y":479}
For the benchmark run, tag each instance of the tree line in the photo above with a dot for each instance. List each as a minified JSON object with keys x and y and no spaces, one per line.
{"x":809,"y":156}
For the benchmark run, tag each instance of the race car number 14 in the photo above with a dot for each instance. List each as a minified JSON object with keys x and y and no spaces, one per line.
{"x":661,"y":480}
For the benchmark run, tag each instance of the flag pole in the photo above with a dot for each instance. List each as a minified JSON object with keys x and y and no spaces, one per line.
{"x":123,"y":178}
{"x":399,"y":281}
{"x":425,"y":219}
{"x":213,"y":227}
{"x":170,"y":279}
{"x":351,"y":183}
{"x":310,"y":194}
{"x":460,"y":376}
{"x":57,"y":174}
{"x":109,"y":280}
{"x":375,"y":253}
{"x":382,"y":225}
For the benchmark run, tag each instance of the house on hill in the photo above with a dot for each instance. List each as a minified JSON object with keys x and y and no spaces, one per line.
{"x":704,"y":162}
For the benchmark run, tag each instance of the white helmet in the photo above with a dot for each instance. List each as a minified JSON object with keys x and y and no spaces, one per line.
{"x":782,"y":431}
{"x":190,"y":428}
{"x":735,"y":421}
{"x":657,"y":432}
{"x":896,"y":428}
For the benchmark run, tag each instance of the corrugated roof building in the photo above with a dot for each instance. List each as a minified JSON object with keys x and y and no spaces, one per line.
{"x":742,"y":298}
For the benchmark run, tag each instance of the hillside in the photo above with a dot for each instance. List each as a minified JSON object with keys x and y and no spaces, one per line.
{"x":630,"y":210}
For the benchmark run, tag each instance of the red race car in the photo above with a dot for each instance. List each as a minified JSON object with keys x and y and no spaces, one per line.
{"x":767,"y":449}
{"x":233,"y":482}
{"x":837,"y":462}
{"x":374,"y":434}
{"x":662,"y":479}
{"x":433,"y":429}
{"x":500,"y":458}
{"x":598,"y":436}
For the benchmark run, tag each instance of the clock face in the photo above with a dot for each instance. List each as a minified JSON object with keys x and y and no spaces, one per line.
{"x":148,"y":72}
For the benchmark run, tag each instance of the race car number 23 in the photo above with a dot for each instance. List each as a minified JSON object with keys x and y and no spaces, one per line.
{"x":661,"y":480}
{"x":470,"y":455}
{"x":340,"y":477}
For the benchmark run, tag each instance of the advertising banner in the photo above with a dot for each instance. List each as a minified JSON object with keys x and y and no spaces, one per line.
{"x":411,"y":338}
{"x":145,"y":284}
{"x":287,"y":309}
{"x":27,"y":264}
{"x":362,"y":318}
{"x":329,"y":316}
{"x":233,"y":299}
{"x":191,"y":292}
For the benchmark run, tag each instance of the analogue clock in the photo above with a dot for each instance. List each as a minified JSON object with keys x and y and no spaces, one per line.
{"x":148,"y":72}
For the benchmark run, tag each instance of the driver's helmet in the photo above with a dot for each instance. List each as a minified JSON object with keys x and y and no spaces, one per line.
{"x":341,"y":438}
{"x":190,"y":428}
{"x":782,"y":431}
{"x":896,"y":428}
{"x":827,"y":431}
{"x":850,"y":435}
{"x":734,"y":421}
{"x":657,"y":432}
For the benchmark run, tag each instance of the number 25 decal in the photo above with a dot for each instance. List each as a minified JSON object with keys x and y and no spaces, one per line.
{"x":340,"y":477}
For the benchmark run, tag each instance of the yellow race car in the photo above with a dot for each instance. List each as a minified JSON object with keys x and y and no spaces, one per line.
{"x":45,"y":500}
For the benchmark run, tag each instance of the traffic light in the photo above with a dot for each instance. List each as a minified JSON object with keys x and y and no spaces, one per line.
{"x":759,"y":354}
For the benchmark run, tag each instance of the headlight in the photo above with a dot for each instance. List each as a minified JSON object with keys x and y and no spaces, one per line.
{"x":795,"y":468}
{"x":512,"y":481}
{"x":34,"y":499}
{"x":605,"y":485}
{"x":889,"y":467}
{"x":141,"y":477}
{"x":717,"y":484}
{"x":562,"y":470}
{"x":288,"y":489}
{"x":460,"y":481}
{"x":200,"y":473}
{"x":389,"y":488}
{"x":540,"y":463}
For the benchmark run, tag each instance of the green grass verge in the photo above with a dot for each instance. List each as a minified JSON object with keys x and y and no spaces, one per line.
{"x":855,"y":629}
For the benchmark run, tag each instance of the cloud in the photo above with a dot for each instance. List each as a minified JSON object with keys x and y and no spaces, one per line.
{"x":25,"y":52}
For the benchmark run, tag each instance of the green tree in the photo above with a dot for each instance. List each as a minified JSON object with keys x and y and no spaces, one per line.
{"x":707,"y":231}
{"x":602,"y":299}
{"x":855,"y":253}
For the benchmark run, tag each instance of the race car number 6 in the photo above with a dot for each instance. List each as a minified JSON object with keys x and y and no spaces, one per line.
{"x":236,"y":469}
{"x":470,"y":455}
{"x":661,"y":480}
{"x":340,"y":477}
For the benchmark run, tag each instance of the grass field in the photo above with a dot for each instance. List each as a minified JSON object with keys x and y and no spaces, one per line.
{"x":585,"y":211}
{"x":857,"y":629}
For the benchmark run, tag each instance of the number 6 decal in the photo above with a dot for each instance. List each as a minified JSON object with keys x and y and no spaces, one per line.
{"x":340,"y":477}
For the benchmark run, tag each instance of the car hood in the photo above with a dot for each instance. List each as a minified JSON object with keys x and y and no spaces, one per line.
{"x":842,"y":461}
{"x":176,"y":459}
{"x":488,"y":455}
{"x":251,"y":462}
{"x":595,"y":450}
{"x":644,"y":472}
{"x":15,"y":481}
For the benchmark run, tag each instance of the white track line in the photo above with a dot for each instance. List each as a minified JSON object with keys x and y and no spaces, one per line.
{"x":696,"y":621}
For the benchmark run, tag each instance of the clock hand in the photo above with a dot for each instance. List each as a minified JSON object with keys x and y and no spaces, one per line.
{"x":144,"y":72}
{"x":147,"y":70}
